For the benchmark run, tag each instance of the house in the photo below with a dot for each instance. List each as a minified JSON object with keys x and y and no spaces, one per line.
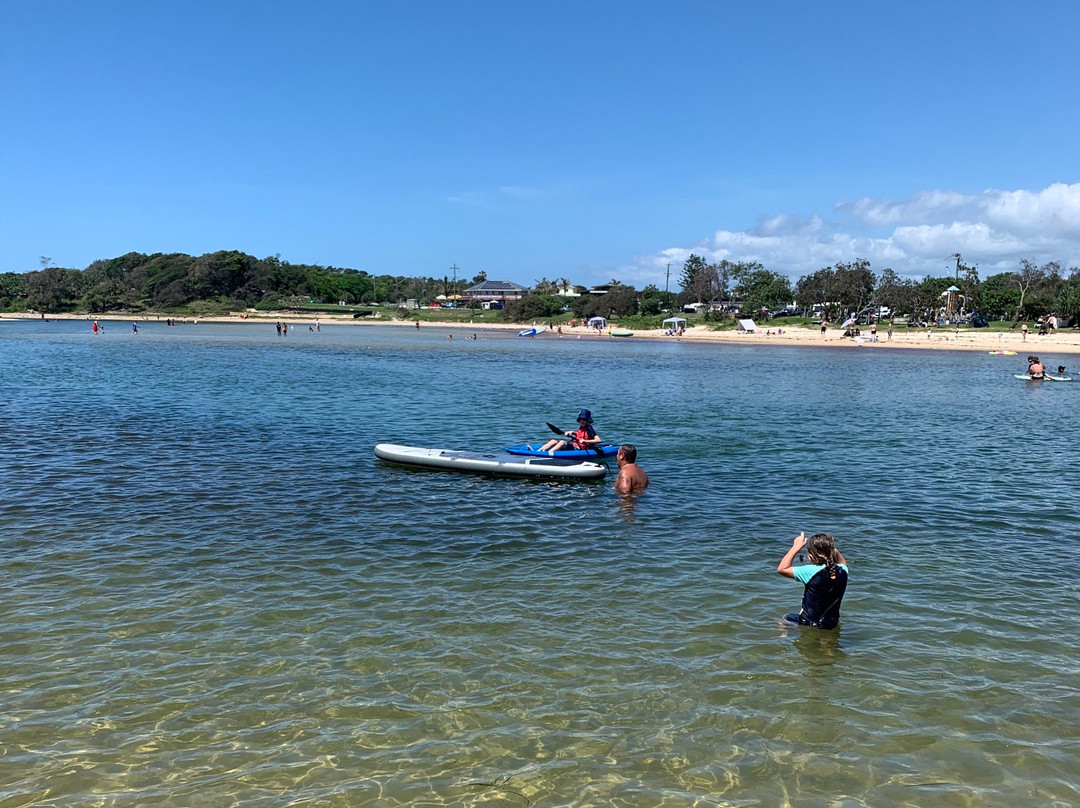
{"x":496,"y":290}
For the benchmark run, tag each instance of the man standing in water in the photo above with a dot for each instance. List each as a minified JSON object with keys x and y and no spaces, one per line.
{"x":632,"y":479}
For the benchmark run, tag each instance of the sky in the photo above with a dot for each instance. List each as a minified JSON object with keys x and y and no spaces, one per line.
{"x":581,"y":140}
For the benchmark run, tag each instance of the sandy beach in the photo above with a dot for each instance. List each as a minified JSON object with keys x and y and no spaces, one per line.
{"x":1063,"y":341}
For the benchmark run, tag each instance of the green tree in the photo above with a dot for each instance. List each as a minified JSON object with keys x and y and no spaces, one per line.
{"x":532,"y":307}
{"x":1024,"y":279}
{"x":693,"y":267}
{"x":929,"y":296}
{"x":53,"y":289}
{"x":759,"y":288}
{"x":12,"y":291}
{"x":997,"y":296}
{"x":1067,"y":304}
{"x":652,"y":301}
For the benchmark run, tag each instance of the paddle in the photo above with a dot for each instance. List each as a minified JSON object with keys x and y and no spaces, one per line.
{"x":562,"y":435}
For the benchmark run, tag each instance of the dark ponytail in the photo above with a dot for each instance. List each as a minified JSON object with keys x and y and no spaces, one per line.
{"x":823,"y":551}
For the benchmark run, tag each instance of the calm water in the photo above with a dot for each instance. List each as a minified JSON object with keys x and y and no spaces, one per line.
{"x":212,"y":594}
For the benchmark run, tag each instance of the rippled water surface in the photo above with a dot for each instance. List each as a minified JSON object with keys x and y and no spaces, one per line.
{"x":212,"y":594}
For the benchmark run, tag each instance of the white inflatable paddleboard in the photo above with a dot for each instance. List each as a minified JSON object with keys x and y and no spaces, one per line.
{"x":489,"y":463}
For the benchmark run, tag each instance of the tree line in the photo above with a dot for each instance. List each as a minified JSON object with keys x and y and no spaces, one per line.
{"x":232,"y":280}
{"x":211,"y":283}
{"x":1028,"y":292}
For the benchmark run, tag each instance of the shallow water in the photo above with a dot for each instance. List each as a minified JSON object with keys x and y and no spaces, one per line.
{"x":213,"y":594}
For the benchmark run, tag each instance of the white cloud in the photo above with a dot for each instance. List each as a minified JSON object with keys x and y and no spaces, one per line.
{"x":915,"y":236}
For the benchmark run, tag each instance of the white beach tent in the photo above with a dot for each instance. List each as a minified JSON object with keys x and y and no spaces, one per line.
{"x":599,"y":323}
{"x":746,"y":326}
{"x":674,"y":323}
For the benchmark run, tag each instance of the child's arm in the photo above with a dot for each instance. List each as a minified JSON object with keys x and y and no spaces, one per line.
{"x":784,"y":568}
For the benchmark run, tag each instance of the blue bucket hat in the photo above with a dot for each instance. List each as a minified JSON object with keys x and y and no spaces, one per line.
{"x":585,"y":415}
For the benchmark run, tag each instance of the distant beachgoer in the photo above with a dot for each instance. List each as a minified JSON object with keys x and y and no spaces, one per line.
{"x":278,"y":328}
{"x":134,"y":328}
{"x":1061,"y":370}
{"x":417,"y":325}
{"x":873,"y":332}
{"x":449,"y":336}
{"x":1036,"y":369}
{"x":1023,"y":332}
{"x":632,"y":479}
{"x":96,"y":326}
{"x":317,"y":326}
{"x":825,"y":579}
{"x":888,"y":332}
{"x":284,"y":329}
{"x":581,"y":438}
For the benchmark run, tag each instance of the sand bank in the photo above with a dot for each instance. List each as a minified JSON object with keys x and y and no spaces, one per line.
{"x":1063,"y":341}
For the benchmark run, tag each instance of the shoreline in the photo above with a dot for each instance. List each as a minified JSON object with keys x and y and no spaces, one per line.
{"x":1063,"y":341}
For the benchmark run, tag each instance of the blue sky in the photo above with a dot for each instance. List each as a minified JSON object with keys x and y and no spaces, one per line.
{"x":582,"y":140}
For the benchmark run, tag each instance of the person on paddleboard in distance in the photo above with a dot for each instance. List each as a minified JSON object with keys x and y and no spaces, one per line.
{"x":632,"y":478}
{"x":584,"y":437}
{"x":1036,"y":369}
{"x":825,"y":579}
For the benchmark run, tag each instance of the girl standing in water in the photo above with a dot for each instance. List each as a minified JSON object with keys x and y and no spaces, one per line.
{"x":825,"y":579}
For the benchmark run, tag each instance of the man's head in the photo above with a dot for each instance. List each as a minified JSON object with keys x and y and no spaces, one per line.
{"x":627,"y":452}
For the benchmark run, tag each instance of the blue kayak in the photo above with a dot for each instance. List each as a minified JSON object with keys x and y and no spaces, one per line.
{"x":533,"y":450}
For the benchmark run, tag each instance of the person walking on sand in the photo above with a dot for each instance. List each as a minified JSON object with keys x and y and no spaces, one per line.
{"x":825,"y":579}
{"x":1023,"y":332}
{"x":632,"y":479}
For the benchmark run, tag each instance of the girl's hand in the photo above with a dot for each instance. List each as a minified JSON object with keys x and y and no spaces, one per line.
{"x":799,"y":542}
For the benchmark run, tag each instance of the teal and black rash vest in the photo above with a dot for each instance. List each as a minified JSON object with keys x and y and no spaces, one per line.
{"x":822,"y":595}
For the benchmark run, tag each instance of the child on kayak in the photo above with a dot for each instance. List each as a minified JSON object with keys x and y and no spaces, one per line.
{"x":825,"y":578}
{"x":584,"y":437}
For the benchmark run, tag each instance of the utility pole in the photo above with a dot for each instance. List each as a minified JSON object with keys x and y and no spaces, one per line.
{"x":667,"y":280}
{"x":454,"y":287}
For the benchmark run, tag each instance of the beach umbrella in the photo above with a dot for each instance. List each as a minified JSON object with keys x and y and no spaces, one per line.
{"x":847,"y":322}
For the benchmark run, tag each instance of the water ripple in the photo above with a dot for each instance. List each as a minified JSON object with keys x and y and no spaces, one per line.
{"x":212,"y":593}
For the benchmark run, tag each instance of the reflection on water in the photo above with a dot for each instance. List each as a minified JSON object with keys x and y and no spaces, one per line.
{"x":213,"y":594}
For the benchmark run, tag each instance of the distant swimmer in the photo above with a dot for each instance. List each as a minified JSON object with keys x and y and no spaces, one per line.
{"x":825,"y":579}
{"x":1036,"y":369}
{"x":134,"y":328}
{"x":632,"y":478}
